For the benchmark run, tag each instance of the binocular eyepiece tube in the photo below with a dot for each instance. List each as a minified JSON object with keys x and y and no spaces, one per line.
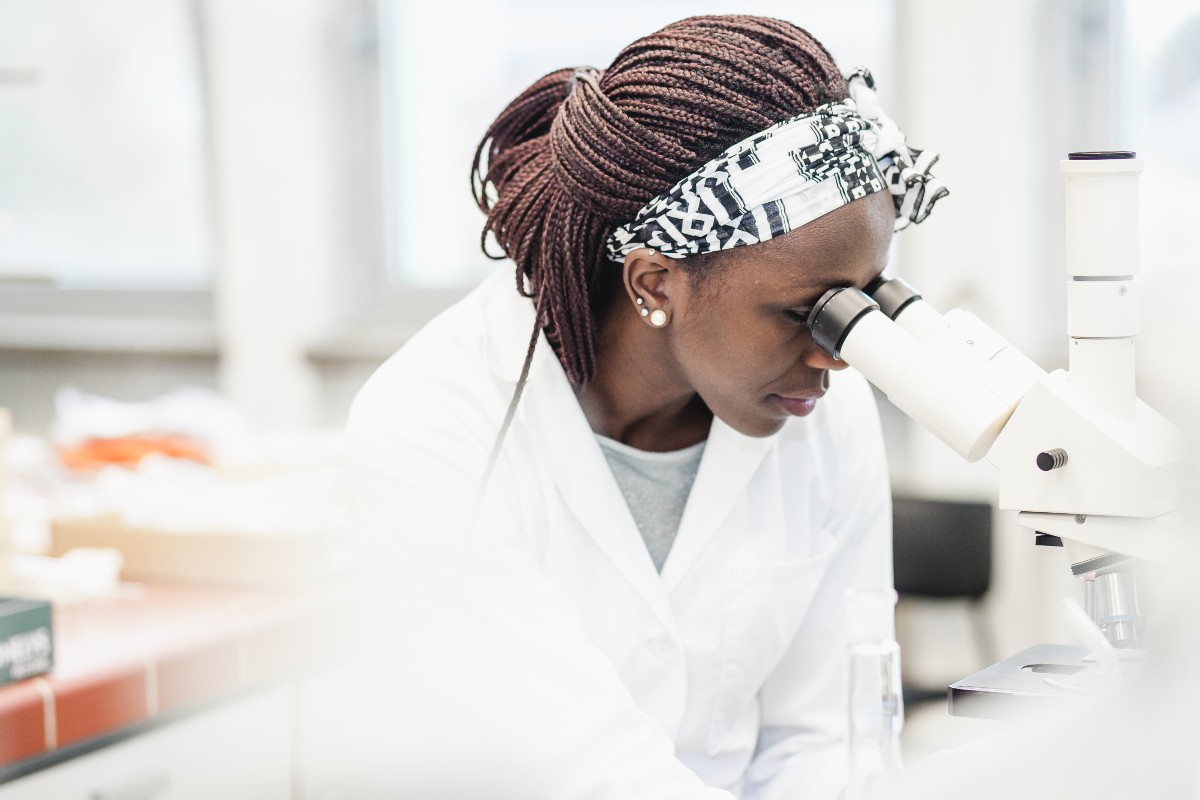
{"x":929,"y":365}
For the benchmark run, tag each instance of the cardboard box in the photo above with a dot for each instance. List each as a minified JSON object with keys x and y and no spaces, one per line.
{"x":235,"y":559}
{"x":26,"y":638}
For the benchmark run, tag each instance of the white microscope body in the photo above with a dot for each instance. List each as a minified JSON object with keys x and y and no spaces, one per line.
{"x":1079,"y":455}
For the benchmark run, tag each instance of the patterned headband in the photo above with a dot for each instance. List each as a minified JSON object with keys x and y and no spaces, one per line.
{"x":786,"y":176}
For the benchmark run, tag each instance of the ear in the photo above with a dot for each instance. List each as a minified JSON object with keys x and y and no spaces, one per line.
{"x":659,"y":281}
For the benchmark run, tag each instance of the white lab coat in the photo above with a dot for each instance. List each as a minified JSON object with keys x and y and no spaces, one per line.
{"x":536,"y":653}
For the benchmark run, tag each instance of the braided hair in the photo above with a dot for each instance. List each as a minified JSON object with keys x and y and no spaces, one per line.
{"x":579,"y":152}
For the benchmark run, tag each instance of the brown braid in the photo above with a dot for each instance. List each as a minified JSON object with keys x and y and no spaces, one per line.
{"x":579,"y":152}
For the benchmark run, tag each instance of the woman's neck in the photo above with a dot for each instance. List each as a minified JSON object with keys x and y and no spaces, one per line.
{"x":637,"y":396}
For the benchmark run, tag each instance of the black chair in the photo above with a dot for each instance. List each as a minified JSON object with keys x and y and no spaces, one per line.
{"x":942,"y":549}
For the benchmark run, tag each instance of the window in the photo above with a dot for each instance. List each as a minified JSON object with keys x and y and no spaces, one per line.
{"x":1160,"y":104}
{"x":103,"y":179}
{"x":1161,"y":115}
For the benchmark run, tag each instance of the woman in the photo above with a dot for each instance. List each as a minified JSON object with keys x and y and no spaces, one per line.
{"x":623,"y":560}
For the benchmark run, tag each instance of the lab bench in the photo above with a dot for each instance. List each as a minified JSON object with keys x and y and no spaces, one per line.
{"x":175,"y":691}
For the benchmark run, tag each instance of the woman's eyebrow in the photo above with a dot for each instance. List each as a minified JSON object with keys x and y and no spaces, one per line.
{"x":820,"y":288}
{"x":807,"y":296}
{"x":834,"y":284}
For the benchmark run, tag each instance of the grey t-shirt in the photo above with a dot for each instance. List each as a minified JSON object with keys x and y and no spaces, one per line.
{"x":656,"y":488}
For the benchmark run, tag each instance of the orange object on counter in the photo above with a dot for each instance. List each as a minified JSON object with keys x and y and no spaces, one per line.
{"x":129,"y":450}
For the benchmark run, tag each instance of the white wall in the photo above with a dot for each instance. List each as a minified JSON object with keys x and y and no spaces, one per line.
{"x":271,"y":66}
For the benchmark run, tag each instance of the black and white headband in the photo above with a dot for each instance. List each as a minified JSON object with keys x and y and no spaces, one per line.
{"x":786,"y":176}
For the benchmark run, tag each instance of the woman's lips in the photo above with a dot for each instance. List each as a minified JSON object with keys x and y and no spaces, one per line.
{"x":799,"y":406}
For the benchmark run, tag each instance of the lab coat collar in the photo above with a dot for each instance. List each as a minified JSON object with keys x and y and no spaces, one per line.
{"x":551,"y":411}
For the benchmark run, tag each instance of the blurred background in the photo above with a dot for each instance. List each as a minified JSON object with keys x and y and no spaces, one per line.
{"x":217,"y":217}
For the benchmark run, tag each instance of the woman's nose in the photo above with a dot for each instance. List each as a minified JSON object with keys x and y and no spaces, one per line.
{"x":818,"y":357}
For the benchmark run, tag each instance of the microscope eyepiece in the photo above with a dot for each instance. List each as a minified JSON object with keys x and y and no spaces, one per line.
{"x":893,"y":295}
{"x":835,"y":314}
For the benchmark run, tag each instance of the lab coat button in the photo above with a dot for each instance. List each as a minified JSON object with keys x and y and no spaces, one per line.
{"x":662,"y":646}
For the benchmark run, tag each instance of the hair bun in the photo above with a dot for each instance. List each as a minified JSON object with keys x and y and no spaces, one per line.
{"x":590,"y":145}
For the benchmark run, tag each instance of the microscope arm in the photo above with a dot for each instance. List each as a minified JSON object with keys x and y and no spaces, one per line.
{"x":1061,"y":456}
{"x":1108,"y":485}
{"x":1080,"y":457}
{"x":1077,"y":452}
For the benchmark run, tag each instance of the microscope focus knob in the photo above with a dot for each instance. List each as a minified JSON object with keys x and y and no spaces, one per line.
{"x":1051,"y":459}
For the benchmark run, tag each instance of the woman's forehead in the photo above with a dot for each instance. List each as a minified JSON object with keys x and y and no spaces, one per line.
{"x":842,"y":246}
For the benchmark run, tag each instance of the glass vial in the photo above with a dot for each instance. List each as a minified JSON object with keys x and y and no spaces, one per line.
{"x":874,"y":704}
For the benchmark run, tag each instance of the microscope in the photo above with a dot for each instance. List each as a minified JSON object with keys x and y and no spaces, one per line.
{"x":1088,"y":466}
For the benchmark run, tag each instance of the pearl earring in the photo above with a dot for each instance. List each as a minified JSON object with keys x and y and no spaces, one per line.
{"x":658,"y":318}
{"x":650,"y":252}
{"x":645,"y":312}
{"x":639,"y":301}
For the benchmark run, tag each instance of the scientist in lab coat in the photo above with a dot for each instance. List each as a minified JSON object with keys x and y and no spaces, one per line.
{"x":620,"y":500}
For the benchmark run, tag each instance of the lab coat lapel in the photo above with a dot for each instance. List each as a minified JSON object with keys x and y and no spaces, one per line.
{"x":729,"y":463}
{"x":587,"y":485}
{"x":551,"y":411}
